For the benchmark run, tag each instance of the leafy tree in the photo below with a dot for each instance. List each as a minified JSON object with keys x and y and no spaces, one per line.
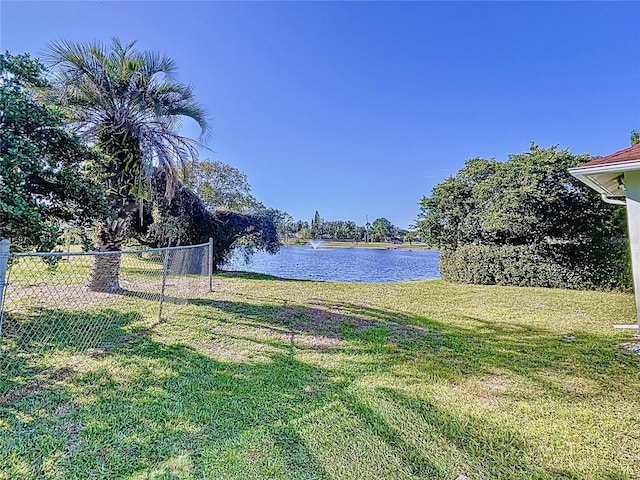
{"x":220,"y":186}
{"x":531,"y":198}
{"x":450,"y":216}
{"x":300,"y":225}
{"x":128,"y":104}
{"x":350,"y":230}
{"x":305,"y":234}
{"x":411,"y":237}
{"x":282,"y":221}
{"x":43,"y":185}
{"x":340,"y":229}
{"x":316,"y":226}
{"x":381,"y":230}
{"x":183,"y":219}
{"x":223,"y":187}
{"x":367,"y":231}
{"x":635,"y":137}
{"x":529,"y":213}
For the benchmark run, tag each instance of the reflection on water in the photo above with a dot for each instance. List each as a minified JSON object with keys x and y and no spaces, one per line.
{"x":343,"y":264}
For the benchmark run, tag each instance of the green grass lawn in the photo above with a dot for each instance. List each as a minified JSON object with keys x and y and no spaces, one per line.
{"x":266,"y":378}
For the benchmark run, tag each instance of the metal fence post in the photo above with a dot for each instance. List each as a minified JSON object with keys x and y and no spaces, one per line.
{"x":211,"y":264}
{"x":4,"y":259}
{"x":165,"y":266}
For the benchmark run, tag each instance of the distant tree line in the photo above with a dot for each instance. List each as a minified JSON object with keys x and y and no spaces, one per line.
{"x":382,"y":230}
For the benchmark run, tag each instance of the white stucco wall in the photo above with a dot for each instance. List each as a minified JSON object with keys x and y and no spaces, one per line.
{"x":632,"y":191}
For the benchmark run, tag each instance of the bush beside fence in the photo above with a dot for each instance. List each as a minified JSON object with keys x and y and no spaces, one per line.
{"x":51,"y":320}
{"x":540,"y":265}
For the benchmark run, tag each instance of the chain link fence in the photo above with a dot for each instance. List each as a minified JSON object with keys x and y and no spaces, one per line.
{"x":59,"y":309}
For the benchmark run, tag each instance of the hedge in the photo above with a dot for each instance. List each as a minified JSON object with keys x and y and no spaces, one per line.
{"x":602,"y":267}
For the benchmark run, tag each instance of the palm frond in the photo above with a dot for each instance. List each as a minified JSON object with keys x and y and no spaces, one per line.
{"x":118,"y":92}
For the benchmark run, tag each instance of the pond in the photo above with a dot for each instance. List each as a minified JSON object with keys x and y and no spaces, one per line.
{"x":366,"y":265}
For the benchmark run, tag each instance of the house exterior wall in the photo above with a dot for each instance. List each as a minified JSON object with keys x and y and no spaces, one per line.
{"x":632,"y":191}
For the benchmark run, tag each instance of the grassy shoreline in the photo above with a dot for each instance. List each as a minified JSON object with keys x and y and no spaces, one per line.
{"x":271,"y":378}
{"x":373,"y":245}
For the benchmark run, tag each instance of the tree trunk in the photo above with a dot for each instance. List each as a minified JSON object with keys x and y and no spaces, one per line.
{"x":105,"y":271}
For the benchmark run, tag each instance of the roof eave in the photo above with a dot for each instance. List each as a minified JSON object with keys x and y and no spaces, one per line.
{"x":602,"y":177}
{"x":606,"y":168}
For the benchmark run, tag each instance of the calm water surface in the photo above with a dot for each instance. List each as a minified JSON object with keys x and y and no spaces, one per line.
{"x":343,"y":264}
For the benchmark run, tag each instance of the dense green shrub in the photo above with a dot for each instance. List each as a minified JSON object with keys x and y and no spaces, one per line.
{"x":528,"y":222}
{"x":604,"y":266}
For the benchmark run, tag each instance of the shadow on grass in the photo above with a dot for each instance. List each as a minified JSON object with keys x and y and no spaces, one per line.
{"x":157,"y":402}
{"x":470,"y":347}
{"x":498,"y":452}
{"x":33,"y":336}
{"x":153,"y":403}
{"x":156,"y":410}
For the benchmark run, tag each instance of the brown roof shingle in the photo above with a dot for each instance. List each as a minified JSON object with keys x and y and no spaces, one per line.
{"x":626,"y":155}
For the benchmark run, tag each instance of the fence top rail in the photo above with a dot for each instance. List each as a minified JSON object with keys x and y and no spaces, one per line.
{"x":119,"y":252}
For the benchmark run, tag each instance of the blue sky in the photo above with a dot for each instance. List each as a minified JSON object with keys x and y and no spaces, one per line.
{"x":359,"y":108}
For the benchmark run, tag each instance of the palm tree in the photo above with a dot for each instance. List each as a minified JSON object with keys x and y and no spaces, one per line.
{"x":128,"y":104}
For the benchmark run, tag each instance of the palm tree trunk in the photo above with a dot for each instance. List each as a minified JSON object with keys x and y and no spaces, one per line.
{"x":105,"y":271}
